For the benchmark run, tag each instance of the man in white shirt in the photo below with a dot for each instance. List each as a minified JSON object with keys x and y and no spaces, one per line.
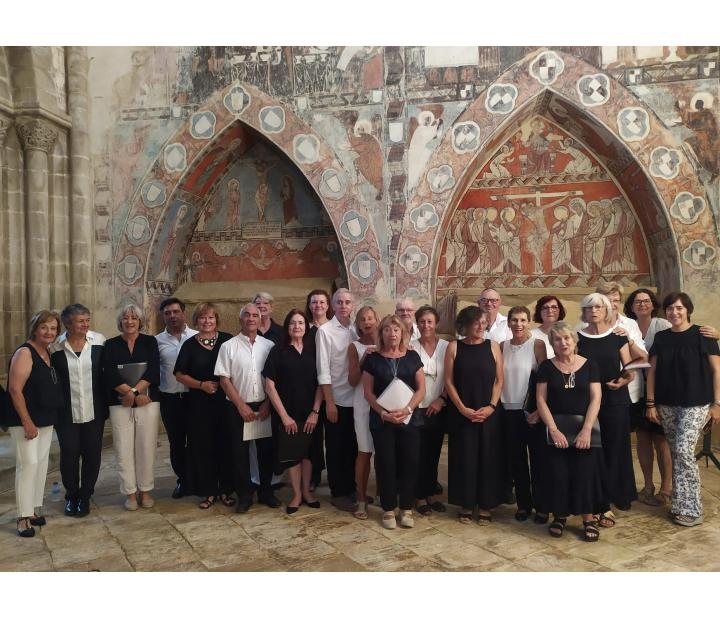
{"x":172,"y":409}
{"x":405,"y":311}
{"x":239,"y":365}
{"x":332,"y":341}
{"x":497,"y":328}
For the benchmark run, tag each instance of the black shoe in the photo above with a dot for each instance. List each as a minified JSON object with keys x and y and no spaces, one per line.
{"x":243,"y":506}
{"x":438,"y":488}
{"x":315,"y":504}
{"x":38,"y":520}
{"x":178,"y":492}
{"x":269,"y":500}
{"x":27,"y":532}
{"x":291,"y":510}
{"x":70,"y":507}
{"x":83,"y":508}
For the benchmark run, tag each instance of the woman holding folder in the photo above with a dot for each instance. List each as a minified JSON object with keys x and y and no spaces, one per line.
{"x":291,"y":385}
{"x":394,"y":385}
{"x":131,"y":372}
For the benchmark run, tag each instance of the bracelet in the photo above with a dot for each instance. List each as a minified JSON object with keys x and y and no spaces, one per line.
{"x":650,"y":406}
{"x":200,"y":386}
{"x":315,"y":411}
{"x":491,"y":405}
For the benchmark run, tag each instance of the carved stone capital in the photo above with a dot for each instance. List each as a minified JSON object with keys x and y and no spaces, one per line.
{"x":36,"y":134}
{"x":5,"y":124}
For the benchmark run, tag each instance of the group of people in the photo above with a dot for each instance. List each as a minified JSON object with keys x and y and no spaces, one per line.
{"x":541,"y":417}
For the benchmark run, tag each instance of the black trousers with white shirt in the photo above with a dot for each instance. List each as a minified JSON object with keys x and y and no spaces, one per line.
{"x":175,"y":420}
{"x":340,"y":452}
{"x":80,"y":442}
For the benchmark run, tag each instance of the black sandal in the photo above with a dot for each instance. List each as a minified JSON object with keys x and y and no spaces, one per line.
{"x":541,"y":518}
{"x":557,"y":527}
{"x":207,"y":503}
{"x":26,"y":532}
{"x":592,"y":533}
{"x":484,"y":519}
{"x":465,"y":517}
{"x":227,"y":500}
{"x":423,"y":509}
{"x":522,"y":515}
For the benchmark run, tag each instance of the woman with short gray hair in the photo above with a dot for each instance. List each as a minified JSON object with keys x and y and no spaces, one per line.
{"x":131,"y":368}
{"x":77,"y":356}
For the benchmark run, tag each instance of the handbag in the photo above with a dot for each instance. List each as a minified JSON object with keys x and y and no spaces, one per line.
{"x":571,"y":425}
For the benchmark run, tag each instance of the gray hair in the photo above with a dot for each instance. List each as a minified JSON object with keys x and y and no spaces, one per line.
{"x":561,"y":328}
{"x":71,"y":310}
{"x":134,"y":310}
{"x":596,"y":299}
{"x":341,"y":291}
{"x":263,"y":295}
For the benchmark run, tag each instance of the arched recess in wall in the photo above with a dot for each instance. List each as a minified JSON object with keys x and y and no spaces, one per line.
{"x":176,"y":175}
{"x":615,"y":127}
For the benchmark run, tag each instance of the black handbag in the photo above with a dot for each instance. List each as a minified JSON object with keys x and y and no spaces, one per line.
{"x":571,"y":425}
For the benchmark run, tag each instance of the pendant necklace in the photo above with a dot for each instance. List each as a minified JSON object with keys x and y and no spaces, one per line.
{"x":209,"y":342}
{"x":568,"y":378}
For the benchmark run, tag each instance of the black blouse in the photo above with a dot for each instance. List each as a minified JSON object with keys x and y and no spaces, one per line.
{"x":683,"y":376}
{"x":197,"y":361}
{"x":605,"y":352}
{"x":383,"y":372}
{"x":295,"y":378}
{"x":275,"y":333}
{"x":568,"y":401}
{"x":116,"y":352}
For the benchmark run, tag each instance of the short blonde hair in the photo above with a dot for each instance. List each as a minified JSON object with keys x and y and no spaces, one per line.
{"x":596,"y":299}
{"x":607,"y":288}
{"x":44,"y":316}
{"x":131,"y":308}
{"x":265,"y":296}
{"x":559,"y":329}
{"x":393,"y":319}
{"x":203,"y":308}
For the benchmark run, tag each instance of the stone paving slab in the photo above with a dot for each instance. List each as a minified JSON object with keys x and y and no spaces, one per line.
{"x":175,"y":535}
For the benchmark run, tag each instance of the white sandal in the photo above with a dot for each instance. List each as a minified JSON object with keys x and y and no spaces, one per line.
{"x":361,"y":512}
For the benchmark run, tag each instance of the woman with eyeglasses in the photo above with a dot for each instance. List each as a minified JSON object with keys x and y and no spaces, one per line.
{"x":36,"y":401}
{"x":548,"y":311}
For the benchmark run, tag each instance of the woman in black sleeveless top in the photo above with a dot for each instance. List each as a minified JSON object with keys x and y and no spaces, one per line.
{"x":478,"y":470}
{"x":36,"y":400}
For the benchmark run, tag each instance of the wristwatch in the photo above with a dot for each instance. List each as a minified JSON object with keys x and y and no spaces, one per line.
{"x":716,"y":402}
{"x":409,"y":410}
{"x":134,"y":391}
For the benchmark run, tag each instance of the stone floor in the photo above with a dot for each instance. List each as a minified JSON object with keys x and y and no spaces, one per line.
{"x":177,"y":536}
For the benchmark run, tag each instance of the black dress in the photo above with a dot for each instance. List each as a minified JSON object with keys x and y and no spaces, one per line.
{"x":573,"y":484}
{"x":478,"y":469}
{"x":618,"y":474}
{"x":208,"y":449}
{"x":295,"y":376}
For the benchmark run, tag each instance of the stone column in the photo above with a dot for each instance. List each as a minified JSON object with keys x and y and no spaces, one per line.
{"x":37,"y":138}
{"x":82,"y":230}
{"x":5,"y":124}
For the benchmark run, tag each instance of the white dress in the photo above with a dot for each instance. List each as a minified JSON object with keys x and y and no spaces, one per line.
{"x":361,"y":409}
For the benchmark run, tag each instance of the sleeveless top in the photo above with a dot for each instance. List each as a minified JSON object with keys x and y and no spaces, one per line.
{"x":359,"y":402}
{"x":434,"y":369}
{"x":474,"y":373}
{"x":42,"y":392}
{"x":538,"y":333}
{"x":518,"y":362}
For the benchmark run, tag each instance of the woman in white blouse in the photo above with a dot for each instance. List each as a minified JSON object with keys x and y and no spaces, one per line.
{"x":523,"y":430}
{"x":432,"y":353}
{"x":548,"y":311}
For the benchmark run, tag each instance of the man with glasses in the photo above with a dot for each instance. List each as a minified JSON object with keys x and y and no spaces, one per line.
{"x":497,"y":328}
{"x":405,"y":311}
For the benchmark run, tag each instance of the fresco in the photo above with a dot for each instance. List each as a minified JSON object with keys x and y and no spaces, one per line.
{"x":261,"y":221}
{"x":544,"y":208}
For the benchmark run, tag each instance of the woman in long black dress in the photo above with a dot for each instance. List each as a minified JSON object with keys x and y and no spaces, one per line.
{"x":569,"y":384}
{"x":208,"y":445}
{"x":396,"y":433}
{"x":291,"y":385}
{"x":610,"y":351}
{"x":478,"y":470}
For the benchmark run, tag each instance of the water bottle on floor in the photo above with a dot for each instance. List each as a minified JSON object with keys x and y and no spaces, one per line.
{"x":55,"y":492}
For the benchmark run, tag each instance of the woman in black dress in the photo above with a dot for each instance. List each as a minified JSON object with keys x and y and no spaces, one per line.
{"x":610,"y":351}
{"x":396,"y":433}
{"x":569,"y":384}
{"x":208,"y":445}
{"x":291,"y":385}
{"x":478,"y":470}
{"x":684,"y":381}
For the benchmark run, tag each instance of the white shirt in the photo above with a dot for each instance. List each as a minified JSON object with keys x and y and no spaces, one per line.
{"x":499,"y":330}
{"x":636,"y":386}
{"x":169,"y":347}
{"x":242,"y":362}
{"x":434,"y":370}
{"x":331,"y":343}
{"x":518,"y":362}
{"x":538,"y":333}
{"x":80,"y":374}
{"x":657,"y":324}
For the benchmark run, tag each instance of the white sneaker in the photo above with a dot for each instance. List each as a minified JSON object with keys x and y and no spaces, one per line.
{"x":131,"y":503}
{"x":147,"y":502}
{"x":406,"y":519}
{"x":388,"y":521}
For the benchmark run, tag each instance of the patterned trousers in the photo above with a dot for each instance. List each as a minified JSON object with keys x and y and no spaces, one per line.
{"x":682,"y":428}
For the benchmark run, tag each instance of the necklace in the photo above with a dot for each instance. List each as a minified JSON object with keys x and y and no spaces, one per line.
{"x":568,"y":378}
{"x":208,"y":342}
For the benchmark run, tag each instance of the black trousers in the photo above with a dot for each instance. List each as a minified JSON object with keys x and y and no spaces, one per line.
{"x":175,"y":419}
{"x":340,"y":453}
{"x":517,"y":439}
{"x":317,"y":447}
{"x":240,"y":456}
{"x":80,"y":442}
{"x":540,"y":478}
{"x":397,"y":443}
{"x":432,"y":434}
{"x":209,"y":465}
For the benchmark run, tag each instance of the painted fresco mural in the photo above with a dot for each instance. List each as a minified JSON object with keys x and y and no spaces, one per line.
{"x":543,"y":211}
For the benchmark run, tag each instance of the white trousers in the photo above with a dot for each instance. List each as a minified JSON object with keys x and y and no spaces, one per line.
{"x":135,"y":431}
{"x":31,"y":465}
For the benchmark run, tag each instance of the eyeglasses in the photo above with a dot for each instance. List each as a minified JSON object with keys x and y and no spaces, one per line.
{"x":550,"y":308}
{"x":53,"y":375}
{"x":489,"y":301}
{"x":643,"y":302}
